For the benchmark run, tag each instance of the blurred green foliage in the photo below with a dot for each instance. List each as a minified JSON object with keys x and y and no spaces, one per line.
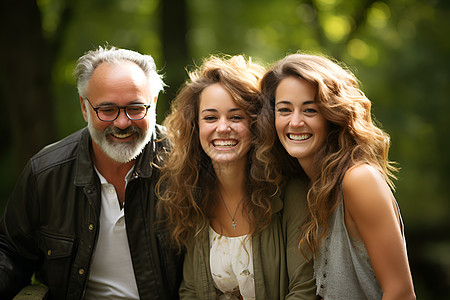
{"x":398,"y":49}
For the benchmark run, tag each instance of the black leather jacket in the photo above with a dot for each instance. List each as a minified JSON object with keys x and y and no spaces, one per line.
{"x":50,"y":224}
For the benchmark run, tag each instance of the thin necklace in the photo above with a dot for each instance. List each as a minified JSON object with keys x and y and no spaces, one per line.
{"x":231,"y":217}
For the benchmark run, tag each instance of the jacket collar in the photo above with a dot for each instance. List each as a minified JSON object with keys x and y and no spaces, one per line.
{"x":85,"y":173}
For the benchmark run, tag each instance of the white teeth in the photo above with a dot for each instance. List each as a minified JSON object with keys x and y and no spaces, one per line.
{"x":122,"y":136}
{"x":299,"y":137}
{"x":224,"y":143}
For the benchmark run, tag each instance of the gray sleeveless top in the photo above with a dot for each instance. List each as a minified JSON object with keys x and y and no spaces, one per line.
{"x":342,"y":267}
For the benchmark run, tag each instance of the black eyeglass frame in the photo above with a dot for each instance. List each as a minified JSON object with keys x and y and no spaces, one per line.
{"x":147,"y":106}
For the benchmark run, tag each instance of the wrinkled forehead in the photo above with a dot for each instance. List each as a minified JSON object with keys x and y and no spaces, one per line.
{"x":112,"y":74}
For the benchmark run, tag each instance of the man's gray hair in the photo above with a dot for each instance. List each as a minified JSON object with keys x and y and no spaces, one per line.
{"x":92,"y":59}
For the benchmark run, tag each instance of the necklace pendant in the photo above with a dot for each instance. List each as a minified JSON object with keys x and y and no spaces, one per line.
{"x":234,"y":224}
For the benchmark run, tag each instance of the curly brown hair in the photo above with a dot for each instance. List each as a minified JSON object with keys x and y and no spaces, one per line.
{"x":354,"y":137}
{"x":187,"y":185}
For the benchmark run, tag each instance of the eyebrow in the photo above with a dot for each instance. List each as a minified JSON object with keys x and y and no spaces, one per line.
{"x":283,"y":102}
{"x":289,"y":102}
{"x":215,"y":110}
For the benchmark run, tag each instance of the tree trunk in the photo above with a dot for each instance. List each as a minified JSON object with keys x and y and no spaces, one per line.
{"x":175,"y":49}
{"x":26,"y":79}
{"x":26,"y":76}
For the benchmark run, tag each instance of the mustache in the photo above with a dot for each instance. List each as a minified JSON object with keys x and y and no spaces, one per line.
{"x":128,"y":130}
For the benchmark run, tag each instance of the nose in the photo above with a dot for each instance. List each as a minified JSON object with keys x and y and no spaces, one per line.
{"x":122,"y":120}
{"x":297,"y":120}
{"x":223,"y":125}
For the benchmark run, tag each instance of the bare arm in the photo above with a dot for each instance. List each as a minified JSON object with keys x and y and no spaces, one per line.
{"x":371,"y":216}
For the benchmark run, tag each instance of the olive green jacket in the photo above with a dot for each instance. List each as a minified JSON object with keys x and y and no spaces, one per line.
{"x":280,"y":270}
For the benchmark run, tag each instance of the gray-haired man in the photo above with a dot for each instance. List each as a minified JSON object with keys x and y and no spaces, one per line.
{"x":82,"y":216}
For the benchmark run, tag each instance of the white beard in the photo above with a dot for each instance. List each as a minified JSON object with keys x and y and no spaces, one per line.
{"x":123,"y":152}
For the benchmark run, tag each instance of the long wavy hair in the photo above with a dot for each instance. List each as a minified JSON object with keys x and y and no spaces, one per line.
{"x":354,"y":136}
{"x":187,"y":186}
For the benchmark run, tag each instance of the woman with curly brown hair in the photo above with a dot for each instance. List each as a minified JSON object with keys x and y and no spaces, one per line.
{"x":222,"y":211}
{"x":315,"y":112}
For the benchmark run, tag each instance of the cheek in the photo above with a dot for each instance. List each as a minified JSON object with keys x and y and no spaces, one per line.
{"x":246,"y":136}
{"x":143,"y":124}
{"x":241,"y":129}
{"x":99,"y":125}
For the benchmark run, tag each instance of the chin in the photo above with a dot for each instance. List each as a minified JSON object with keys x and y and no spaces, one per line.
{"x":122,"y":152}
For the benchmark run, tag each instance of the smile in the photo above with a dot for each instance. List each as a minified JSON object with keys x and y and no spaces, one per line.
{"x":122,"y":135}
{"x":224,"y":143}
{"x":299,"y":137}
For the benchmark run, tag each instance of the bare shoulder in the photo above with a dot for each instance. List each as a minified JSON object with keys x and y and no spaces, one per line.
{"x":360,"y":174}
{"x":365,"y":190}
{"x":363,"y":178}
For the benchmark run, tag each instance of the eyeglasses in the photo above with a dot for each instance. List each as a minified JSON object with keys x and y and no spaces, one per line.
{"x":109,"y":113}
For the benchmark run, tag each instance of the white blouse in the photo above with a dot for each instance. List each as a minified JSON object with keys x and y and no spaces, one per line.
{"x":231,"y":264}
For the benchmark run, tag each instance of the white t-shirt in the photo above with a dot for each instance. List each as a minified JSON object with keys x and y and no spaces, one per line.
{"x":111,"y":273}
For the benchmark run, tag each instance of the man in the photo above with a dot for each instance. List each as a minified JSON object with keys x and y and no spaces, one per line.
{"x":82,"y":216}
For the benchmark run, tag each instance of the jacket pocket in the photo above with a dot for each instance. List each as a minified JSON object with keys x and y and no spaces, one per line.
{"x":54,"y":246}
{"x":57,"y":251}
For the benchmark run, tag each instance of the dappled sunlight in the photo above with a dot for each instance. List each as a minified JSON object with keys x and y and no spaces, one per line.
{"x":325,"y":4}
{"x":378,"y":15}
{"x":363,"y":52}
{"x":358,"y":49}
{"x":336,"y":28}
{"x":139,"y":6}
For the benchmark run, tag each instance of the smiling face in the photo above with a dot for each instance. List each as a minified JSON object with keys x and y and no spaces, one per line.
{"x":119,"y":84}
{"x":223,"y":126}
{"x":300,"y":126}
